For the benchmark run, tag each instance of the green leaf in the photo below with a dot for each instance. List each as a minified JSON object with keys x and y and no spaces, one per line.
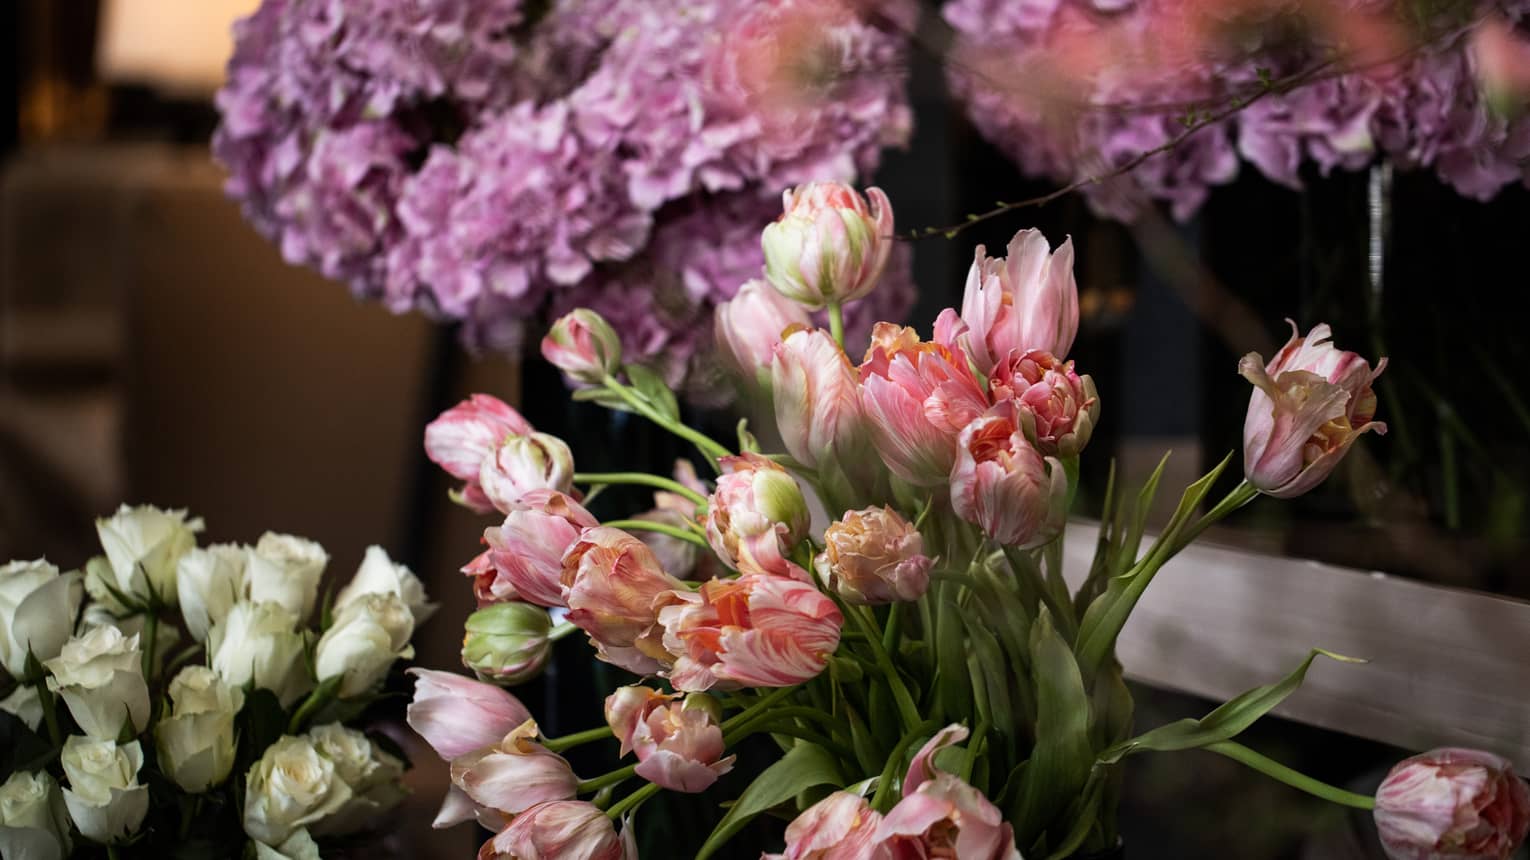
{"x":1061,"y":760}
{"x":603,"y":397}
{"x":803,"y":766}
{"x":1083,"y":812}
{"x":988,"y":668}
{"x":953,"y":691}
{"x":652,"y":387}
{"x":1224,"y":723}
{"x":1139,"y":514}
{"x":862,"y":742}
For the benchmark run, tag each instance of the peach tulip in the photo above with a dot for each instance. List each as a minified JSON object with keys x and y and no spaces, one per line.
{"x":514,"y":774}
{"x":466,"y":435}
{"x":830,"y":245}
{"x":561,"y":829}
{"x":679,"y":744}
{"x":917,"y":397}
{"x":756,"y":516}
{"x":750,"y":325}
{"x":1025,"y":301}
{"x":874,"y":556}
{"x":611,"y":583}
{"x":817,"y":399}
{"x":526,"y":551}
{"x":1452,"y":804}
{"x":1004,"y":485}
{"x":523,"y":465}
{"x":457,"y":715}
{"x":842,"y":826}
{"x":1056,"y":407}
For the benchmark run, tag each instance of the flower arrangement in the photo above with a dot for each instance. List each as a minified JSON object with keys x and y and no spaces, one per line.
{"x":935,"y":685}
{"x":197,"y":701}
{"x":501,"y":162}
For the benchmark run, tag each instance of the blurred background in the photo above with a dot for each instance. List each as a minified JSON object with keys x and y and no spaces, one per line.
{"x":155,"y":349}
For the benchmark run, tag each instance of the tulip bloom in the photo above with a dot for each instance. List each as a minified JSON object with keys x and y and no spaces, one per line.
{"x":842,"y":826}
{"x":611,"y":582}
{"x":873,"y":556}
{"x":457,"y":715}
{"x":515,"y":774}
{"x":756,"y":515}
{"x":1004,"y":485}
{"x":522,"y":466}
{"x":830,"y":245}
{"x":917,"y":397}
{"x":1026,"y":301}
{"x":1056,"y":407}
{"x":466,"y":435}
{"x":679,"y":745}
{"x":946,"y":817}
{"x":1310,"y":403}
{"x":1452,"y":803}
{"x":526,"y":551}
{"x":754,"y":631}
{"x":561,"y":828}
{"x":584,"y":346}
{"x":817,"y":399}
{"x":750,"y":325}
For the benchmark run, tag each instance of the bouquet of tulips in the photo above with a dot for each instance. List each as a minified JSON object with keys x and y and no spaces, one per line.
{"x":177,"y":700}
{"x":934,"y":685}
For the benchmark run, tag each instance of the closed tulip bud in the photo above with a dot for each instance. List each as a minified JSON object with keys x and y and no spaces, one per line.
{"x":104,"y":798}
{"x":523,"y":465}
{"x":842,"y":826}
{"x":99,"y":675}
{"x":285,"y":570}
{"x":515,"y":774}
{"x":1310,"y":404}
{"x":830,"y":245}
{"x":260,"y":644}
{"x":584,"y":346}
{"x":917,"y":397}
{"x":292,"y":787}
{"x":379,"y":574}
{"x":1004,"y":486}
{"x":1458,"y":804}
{"x":1057,"y":409}
{"x":874,"y":556}
{"x":1025,"y":302}
{"x":526,"y":551}
{"x":507,"y":643}
{"x":363,"y":643}
{"x":563,"y":828}
{"x":756,"y":516}
{"x":750,"y":325}
{"x":817,"y":399}
{"x":37,"y":610}
{"x":457,"y":715}
{"x":196,"y":739}
{"x":466,"y":435}
{"x":679,"y":745}
{"x":370,"y":772}
{"x":611,"y":581}
{"x":144,"y":545}
{"x":34,"y":823}
{"x":208,"y":583}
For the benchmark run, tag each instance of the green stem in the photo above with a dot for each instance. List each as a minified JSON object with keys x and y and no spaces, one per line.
{"x":837,"y":323}
{"x":641,"y":479}
{"x":705,"y":444}
{"x":662,"y":528}
{"x":49,"y":704}
{"x":756,"y":708}
{"x":632,"y":801}
{"x":1275,"y":770}
{"x":906,"y":708}
{"x":577,"y":739}
{"x":587,"y":786}
{"x":893,"y":630}
{"x":566,"y":628}
{"x":311,"y":705}
{"x":151,"y":633}
{"x":880,"y":800}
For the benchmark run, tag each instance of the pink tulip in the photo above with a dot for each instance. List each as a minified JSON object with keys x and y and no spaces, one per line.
{"x":584,"y":346}
{"x":946,"y":817}
{"x":457,"y":715}
{"x":515,"y":774}
{"x":830,"y":245}
{"x":874,"y":556}
{"x":527,"y":550}
{"x":466,"y":435}
{"x":1057,"y":408}
{"x":1027,"y":301}
{"x":1501,"y":56}
{"x":1004,"y":485}
{"x":523,"y":465}
{"x":1310,"y":403}
{"x":922,"y":768}
{"x":750,"y":325}
{"x":917,"y":397}
{"x":561,"y":830}
{"x":842,"y":826}
{"x":756,"y":516}
{"x":1452,"y":804}
{"x":817,"y":399}
{"x":611,"y":582}
{"x":755,"y":631}
{"x":488,"y":586}
{"x":679,"y":745}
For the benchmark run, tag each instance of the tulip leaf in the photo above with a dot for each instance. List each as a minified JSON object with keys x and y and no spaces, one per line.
{"x":952,"y":687}
{"x":1061,"y":760}
{"x":1083,"y":812}
{"x":990,"y":674}
{"x":604,"y":397}
{"x":654,"y":389}
{"x":804,"y":766}
{"x":1224,"y":723}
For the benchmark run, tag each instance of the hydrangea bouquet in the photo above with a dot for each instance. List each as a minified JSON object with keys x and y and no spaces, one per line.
{"x":193,"y":701}
{"x":934,"y":683}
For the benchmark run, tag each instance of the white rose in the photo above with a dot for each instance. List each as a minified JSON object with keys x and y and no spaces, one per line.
{"x":24,"y":704}
{"x":143,"y":545}
{"x":378,"y":574}
{"x":100,"y":676}
{"x":365,"y":639}
{"x":102,"y":615}
{"x":291,"y":787}
{"x":33,"y":821}
{"x":104,"y":797}
{"x":196,"y":740}
{"x":209,"y":582}
{"x":37,"y":607}
{"x":285,"y":569}
{"x":260,"y":642}
{"x":372,"y":774}
{"x":299,"y":846}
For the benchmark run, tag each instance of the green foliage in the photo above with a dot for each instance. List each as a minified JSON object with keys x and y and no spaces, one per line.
{"x":803,"y":766}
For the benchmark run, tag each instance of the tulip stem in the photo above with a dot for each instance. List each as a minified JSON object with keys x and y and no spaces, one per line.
{"x":884,"y":793}
{"x":587,"y":786}
{"x":562,"y":629}
{"x":1279,"y":772}
{"x":632,"y":801}
{"x":577,"y":739}
{"x":662,"y":528}
{"x":754,"y":709}
{"x":837,"y":323}
{"x":705,"y":444}
{"x":641,"y":479}
{"x":906,"y":707}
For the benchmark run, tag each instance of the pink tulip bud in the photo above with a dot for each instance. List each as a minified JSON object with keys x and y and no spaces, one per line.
{"x":1004,"y":485}
{"x":562,"y":828}
{"x":679,"y":745}
{"x":507,"y":643}
{"x":1310,"y":403}
{"x":1057,"y":408}
{"x":521,"y":465}
{"x":584,"y":346}
{"x":946,"y":817}
{"x":527,"y":550}
{"x":917,"y":397}
{"x":1501,"y":56}
{"x":756,"y":515}
{"x":874,"y":556}
{"x":1026,"y":301}
{"x":830,"y":245}
{"x":457,"y":715}
{"x":750,"y":325}
{"x":817,"y":398}
{"x":515,"y":774}
{"x":488,"y":586}
{"x":1452,"y":804}
{"x":922,"y":768}
{"x":611,"y":581}
{"x":754,"y":631}
{"x":467,"y":434}
{"x":842,"y":826}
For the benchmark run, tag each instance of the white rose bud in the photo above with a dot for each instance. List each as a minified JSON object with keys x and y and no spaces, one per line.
{"x":99,"y":674}
{"x":33,"y":821}
{"x":143,"y":546}
{"x":104,"y":797}
{"x":196,"y":740}
{"x":379,"y":574}
{"x":209,"y":582}
{"x":365,"y":639}
{"x":37,"y":607}
{"x":24,"y":704}
{"x":372,"y":774}
{"x":261,"y":643}
{"x":291,"y":787}
{"x":285,"y":569}
{"x":101,"y":615}
{"x":299,"y":846}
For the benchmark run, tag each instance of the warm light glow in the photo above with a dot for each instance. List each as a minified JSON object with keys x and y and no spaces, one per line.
{"x":180,"y":46}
